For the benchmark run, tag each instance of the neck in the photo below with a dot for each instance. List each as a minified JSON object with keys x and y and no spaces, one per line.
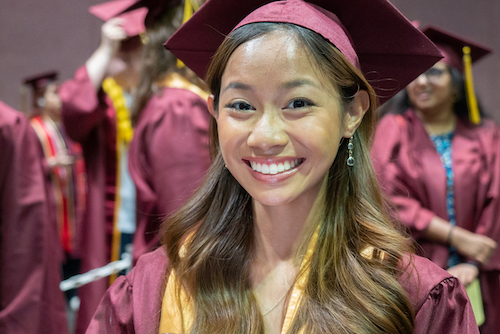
{"x":436,"y":123}
{"x":282,"y":232}
{"x":282,"y":235}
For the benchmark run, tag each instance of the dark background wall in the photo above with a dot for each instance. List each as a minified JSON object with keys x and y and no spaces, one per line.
{"x":43,"y":35}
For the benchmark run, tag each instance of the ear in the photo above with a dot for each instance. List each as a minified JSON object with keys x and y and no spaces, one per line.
{"x":355,"y":111}
{"x":211,"y":106}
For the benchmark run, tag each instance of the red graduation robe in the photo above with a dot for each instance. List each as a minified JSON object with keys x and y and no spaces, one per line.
{"x":132,"y":304}
{"x":168,"y":159}
{"x":411,"y":174}
{"x":30,"y":299}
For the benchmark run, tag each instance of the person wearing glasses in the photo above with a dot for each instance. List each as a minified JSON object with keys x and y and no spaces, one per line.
{"x":437,"y":160}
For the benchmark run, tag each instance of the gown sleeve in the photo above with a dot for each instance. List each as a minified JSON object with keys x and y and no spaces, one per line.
{"x":83,"y":107}
{"x":446,"y":310}
{"x":390,"y":162}
{"x":115,"y":311}
{"x":132,"y":304}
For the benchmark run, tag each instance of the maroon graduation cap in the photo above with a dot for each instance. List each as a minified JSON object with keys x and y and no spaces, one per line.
{"x":133,"y":19}
{"x":451,"y":46}
{"x":460,"y":53}
{"x":40,"y":80}
{"x":372,"y":34}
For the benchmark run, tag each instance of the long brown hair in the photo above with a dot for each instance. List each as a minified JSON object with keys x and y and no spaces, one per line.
{"x":156,"y":61}
{"x":345,"y":292}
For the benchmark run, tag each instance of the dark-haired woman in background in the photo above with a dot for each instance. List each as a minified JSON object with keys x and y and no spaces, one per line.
{"x":441,"y":171}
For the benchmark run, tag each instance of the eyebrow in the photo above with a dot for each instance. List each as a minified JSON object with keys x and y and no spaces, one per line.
{"x":286,"y":85}
{"x":237,"y":85}
{"x":298,"y":83}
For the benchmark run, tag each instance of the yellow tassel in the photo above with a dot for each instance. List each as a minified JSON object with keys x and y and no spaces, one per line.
{"x":469,"y":88}
{"x":189,"y":8}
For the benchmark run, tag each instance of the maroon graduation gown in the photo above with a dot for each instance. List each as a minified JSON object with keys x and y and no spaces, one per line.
{"x":411,"y":173}
{"x":89,"y":119}
{"x":30,"y":299}
{"x":168,"y":158}
{"x":133,"y":303}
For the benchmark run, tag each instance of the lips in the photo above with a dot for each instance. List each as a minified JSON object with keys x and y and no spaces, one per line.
{"x":275,"y":167}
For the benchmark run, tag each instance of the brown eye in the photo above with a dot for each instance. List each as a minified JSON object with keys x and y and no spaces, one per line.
{"x":240,"y":106}
{"x":299,"y":103}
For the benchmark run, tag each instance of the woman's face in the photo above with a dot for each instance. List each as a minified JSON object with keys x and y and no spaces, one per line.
{"x":433,"y":90}
{"x":280,"y":120}
{"x":52,"y":102}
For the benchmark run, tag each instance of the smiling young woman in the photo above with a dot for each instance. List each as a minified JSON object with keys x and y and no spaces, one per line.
{"x":288,"y":234}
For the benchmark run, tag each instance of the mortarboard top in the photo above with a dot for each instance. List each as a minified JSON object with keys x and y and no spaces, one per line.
{"x":133,"y":20}
{"x":390,"y":50}
{"x":460,"y":54}
{"x":451,"y":46}
{"x":41,"y":80}
{"x":154,"y":8}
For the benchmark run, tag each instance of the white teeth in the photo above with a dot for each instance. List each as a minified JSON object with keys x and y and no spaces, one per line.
{"x":274,"y":168}
{"x":265,"y":169}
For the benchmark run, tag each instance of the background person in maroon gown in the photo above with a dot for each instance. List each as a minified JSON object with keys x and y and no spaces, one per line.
{"x":65,"y":179}
{"x":449,"y":200}
{"x":30,"y":299}
{"x":288,"y":233}
{"x":95,"y":113}
{"x":169,"y":154}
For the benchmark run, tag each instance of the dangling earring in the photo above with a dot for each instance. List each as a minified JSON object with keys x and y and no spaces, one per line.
{"x":350,"y":160}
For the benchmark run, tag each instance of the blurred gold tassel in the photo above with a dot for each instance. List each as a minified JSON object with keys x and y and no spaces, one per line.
{"x":190,"y":7}
{"x":469,"y":88}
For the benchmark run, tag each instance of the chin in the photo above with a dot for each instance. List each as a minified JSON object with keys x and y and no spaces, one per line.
{"x":272,"y":199}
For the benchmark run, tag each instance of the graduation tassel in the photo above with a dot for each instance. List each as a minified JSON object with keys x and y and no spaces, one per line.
{"x":469,"y":88}
{"x":190,"y":6}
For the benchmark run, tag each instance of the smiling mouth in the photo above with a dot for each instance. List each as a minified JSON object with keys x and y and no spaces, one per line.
{"x":275,"y":168}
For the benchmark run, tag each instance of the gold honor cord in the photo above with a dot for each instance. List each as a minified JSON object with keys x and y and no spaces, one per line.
{"x":469,"y":88}
{"x":124,"y":133}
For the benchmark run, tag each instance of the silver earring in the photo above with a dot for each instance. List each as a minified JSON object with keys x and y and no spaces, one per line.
{"x":350,"y":160}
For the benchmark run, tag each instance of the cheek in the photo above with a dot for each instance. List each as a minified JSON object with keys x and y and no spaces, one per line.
{"x":229,"y":138}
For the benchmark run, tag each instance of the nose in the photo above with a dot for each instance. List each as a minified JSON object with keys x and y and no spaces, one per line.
{"x":268,"y":135}
{"x":422,"y":79}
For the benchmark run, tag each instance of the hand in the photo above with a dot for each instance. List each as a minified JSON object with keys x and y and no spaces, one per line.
{"x":65,"y":160}
{"x":471,"y":245}
{"x":465,"y":273}
{"x":61,"y":160}
{"x":112,"y":34}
